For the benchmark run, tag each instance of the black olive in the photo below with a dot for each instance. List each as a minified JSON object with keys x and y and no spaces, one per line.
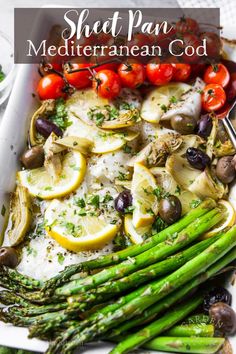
{"x":8,"y":257}
{"x":216,"y":294}
{"x":223,"y":317}
{"x":197,"y":158}
{"x":225,"y":169}
{"x":205,"y":126}
{"x":183,"y":124}
{"x":123,"y":201}
{"x":33,"y":158}
{"x":170,"y":209}
{"x":45,"y":127}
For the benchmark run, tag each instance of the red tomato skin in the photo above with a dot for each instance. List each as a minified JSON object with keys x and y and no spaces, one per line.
{"x":107,"y":84}
{"x":181,"y":72}
{"x":79,"y":79}
{"x":220,"y":77}
{"x":213,"y":43}
{"x":193,"y":41}
{"x":159,"y":74}
{"x":187,"y":25}
{"x":213,"y":97}
{"x":51,"y":87}
{"x":164,"y":39}
{"x":132,"y":75}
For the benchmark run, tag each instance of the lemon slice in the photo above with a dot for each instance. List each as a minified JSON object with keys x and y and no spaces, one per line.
{"x":74,"y":232}
{"x":144,"y":200}
{"x":136,"y":234}
{"x":41,"y":184}
{"x":229,"y":220}
{"x":158,"y":100}
{"x":103,"y":141}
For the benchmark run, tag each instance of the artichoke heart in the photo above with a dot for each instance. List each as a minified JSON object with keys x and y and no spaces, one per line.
{"x":183,"y":173}
{"x":166,"y":181}
{"x":205,"y":186}
{"x":80,"y":144}
{"x":45,"y":109}
{"x":156,"y":152}
{"x":20,"y":215}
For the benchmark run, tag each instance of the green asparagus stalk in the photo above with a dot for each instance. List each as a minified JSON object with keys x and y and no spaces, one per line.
{"x":165,"y":322}
{"x":148,"y":314}
{"x":22,"y":280}
{"x":38,"y":310}
{"x":112,"y":288}
{"x":10,"y":298}
{"x":156,"y":290}
{"x":152,"y":312}
{"x":192,"y":330}
{"x":115,"y":258}
{"x":186,"y":345}
{"x":157,"y":253}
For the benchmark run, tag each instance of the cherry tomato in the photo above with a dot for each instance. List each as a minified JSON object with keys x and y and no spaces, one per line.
{"x":213,"y":43}
{"x":107,"y":84}
{"x":213,"y":97}
{"x":197,"y":70}
{"x":187,"y":25}
{"x":231,"y":88}
{"x":79,"y":79}
{"x":132,"y":75}
{"x":217,"y":74}
{"x":181,"y":72}
{"x":159,"y":74}
{"x":139,"y":39}
{"x":193,"y":41}
{"x":51,"y":87}
{"x":164,"y":39}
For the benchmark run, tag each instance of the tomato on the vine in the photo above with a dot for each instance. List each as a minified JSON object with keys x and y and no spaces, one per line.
{"x":213,"y":43}
{"x":159,"y":74}
{"x":80,"y":79}
{"x":181,"y":72}
{"x":187,"y":25}
{"x":51,"y":87}
{"x":213,"y":97}
{"x":191,"y":40}
{"x":217,"y":74}
{"x":132,"y":75}
{"x":163,"y":38}
{"x":107,"y":84}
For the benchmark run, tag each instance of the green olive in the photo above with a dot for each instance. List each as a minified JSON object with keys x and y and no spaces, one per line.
{"x":170,"y":209}
{"x":183,"y":124}
{"x":8,"y":257}
{"x":33,"y":158}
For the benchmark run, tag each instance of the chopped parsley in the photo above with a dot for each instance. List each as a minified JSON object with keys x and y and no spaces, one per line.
{"x":60,"y":258}
{"x":94,"y":200}
{"x":158,"y":225}
{"x":60,"y":117}
{"x":194,"y":203}
{"x":2,"y":75}
{"x":80,"y":202}
{"x":3,"y":210}
{"x":160,"y":193}
{"x":173,"y":99}
{"x":164,"y":108}
{"x":178,"y":190}
{"x":101,"y":114}
{"x":127,"y":149}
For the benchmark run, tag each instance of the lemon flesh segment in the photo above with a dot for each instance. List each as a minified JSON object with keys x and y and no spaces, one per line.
{"x":145,"y":202}
{"x":136,"y":234}
{"x":228,"y":221}
{"x":103,"y":141}
{"x":159,"y":99}
{"x":40,"y":184}
{"x":74,"y":232}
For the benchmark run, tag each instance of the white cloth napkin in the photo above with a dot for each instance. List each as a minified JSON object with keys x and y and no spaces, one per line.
{"x":227,"y":8}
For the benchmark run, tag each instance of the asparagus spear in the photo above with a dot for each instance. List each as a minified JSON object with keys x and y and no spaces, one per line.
{"x":148,"y":314}
{"x":198,"y":319}
{"x":115,"y":258}
{"x":192,"y":330}
{"x":165,"y":322}
{"x":158,"y":252}
{"x":22,"y":280}
{"x":152,"y":312}
{"x":111,"y":288}
{"x":9,"y":298}
{"x":186,"y":345}
{"x":156,"y":290}
{"x":38,"y":310}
